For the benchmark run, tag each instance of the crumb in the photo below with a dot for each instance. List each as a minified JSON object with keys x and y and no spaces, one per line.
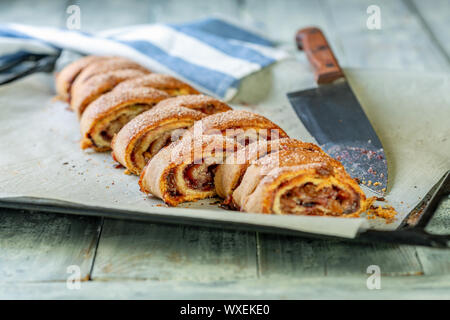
{"x":65,"y":163}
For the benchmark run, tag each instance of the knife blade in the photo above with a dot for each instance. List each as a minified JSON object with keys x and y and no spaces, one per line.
{"x":333,"y":115}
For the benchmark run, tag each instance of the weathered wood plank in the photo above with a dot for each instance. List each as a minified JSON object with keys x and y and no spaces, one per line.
{"x":39,"y":246}
{"x":305,"y":288}
{"x":401,"y":43}
{"x":437,"y":261}
{"x":135,"y":250}
{"x":280,"y":20}
{"x":178,"y":11}
{"x":46,"y":13}
{"x":436,"y":17}
{"x":116,"y":13}
{"x":293,"y":257}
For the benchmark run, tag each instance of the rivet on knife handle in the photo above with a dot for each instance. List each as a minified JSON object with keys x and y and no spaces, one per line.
{"x":319,"y":54}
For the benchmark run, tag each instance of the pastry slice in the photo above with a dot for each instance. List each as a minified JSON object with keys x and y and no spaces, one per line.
{"x":65,"y":78}
{"x":299,"y":182}
{"x":203,"y":103}
{"x":142,"y":138}
{"x":88,"y":91}
{"x":106,"y":65}
{"x":229,"y":175}
{"x":163,"y":82}
{"x":184,"y":170}
{"x":108,"y":114}
{"x":243,"y":126}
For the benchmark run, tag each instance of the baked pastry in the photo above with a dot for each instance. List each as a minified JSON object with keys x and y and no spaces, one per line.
{"x":184,"y":170}
{"x":242,"y":126}
{"x":141,"y":138}
{"x":164,"y":82}
{"x":229,"y":175}
{"x":301,"y":182}
{"x":205,"y":104}
{"x":65,"y":78}
{"x":88,"y":91}
{"x":108,"y":114}
{"x":106,"y":65}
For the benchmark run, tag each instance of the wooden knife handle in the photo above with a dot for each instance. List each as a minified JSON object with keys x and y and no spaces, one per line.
{"x":320,"y":55}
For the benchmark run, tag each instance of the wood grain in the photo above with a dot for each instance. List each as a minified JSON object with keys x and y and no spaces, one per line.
{"x":305,"y":288}
{"x":437,"y":261}
{"x":40,"y":246}
{"x":135,"y":250}
{"x":293,"y":257}
{"x":401,"y":43}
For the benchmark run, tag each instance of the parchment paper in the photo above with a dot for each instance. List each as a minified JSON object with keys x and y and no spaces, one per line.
{"x":40,"y":155}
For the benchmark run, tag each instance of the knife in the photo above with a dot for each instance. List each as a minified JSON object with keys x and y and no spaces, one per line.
{"x":333,"y":115}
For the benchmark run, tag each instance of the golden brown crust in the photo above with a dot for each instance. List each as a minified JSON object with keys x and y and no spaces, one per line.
{"x":106,"y":65}
{"x":205,"y":104}
{"x":243,"y":126}
{"x":86,"y":92}
{"x":105,"y":110}
{"x":131,"y":145}
{"x":163,"y":82}
{"x":65,"y":78}
{"x":168,"y":175}
{"x":299,"y":181}
{"x":229,"y":175}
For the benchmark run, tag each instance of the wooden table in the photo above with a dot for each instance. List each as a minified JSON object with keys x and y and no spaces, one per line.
{"x":123,"y":259}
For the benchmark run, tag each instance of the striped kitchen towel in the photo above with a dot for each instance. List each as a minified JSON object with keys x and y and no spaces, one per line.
{"x":211,"y":54}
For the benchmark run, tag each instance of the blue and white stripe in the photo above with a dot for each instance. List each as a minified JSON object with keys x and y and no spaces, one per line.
{"x":211,"y":54}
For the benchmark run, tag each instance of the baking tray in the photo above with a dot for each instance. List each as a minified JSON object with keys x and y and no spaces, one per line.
{"x":409,"y":229}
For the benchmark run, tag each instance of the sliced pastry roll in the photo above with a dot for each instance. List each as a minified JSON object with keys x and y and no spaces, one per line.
{"x":65,"y":78}
{"x":229,"y":175}
{"x":205,"y":104}
{"x":164,"y":82}
{"x":108,"y":114}
{"x":301,"y":182}
{"x":184,"y":170}
{"x":86,"y":92}
{"x":141,"y":138}
{"x":243,"y":126}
